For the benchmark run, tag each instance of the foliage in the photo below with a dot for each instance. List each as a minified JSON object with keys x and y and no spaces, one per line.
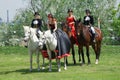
{"x":103,"y":9}
{"x":116,"y":24}
{"x":99,"y":8}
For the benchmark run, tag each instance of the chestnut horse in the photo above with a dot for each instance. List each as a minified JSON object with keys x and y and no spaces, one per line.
{"x":67,"y":29}
{"x":84,"y":39}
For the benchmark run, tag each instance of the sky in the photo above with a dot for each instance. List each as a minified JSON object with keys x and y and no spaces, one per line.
{"x":13,"y":6}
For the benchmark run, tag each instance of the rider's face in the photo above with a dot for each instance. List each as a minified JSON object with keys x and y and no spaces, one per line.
{"x":87,"y":14}
{"x":70,"y":13}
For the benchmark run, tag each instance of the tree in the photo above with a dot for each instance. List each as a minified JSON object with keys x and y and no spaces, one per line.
{"x":116,"y":24}
{"x":99,"y":8}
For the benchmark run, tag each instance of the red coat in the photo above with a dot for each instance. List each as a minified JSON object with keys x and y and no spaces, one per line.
{"x":70,"y":22}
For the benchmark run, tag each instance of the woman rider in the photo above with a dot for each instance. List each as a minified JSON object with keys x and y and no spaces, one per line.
{"x":70,"y":22}
{"x":62,"y":38}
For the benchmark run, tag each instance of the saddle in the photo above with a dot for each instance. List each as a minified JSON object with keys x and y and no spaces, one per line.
{"x":91,"y":33}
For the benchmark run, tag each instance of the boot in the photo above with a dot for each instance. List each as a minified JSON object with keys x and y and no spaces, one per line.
{"x":93,"y":37}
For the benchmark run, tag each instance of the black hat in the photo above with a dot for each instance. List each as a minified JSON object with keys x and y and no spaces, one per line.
{"x":36,"y":13}
{"x":87,"y":11}
{"x":70,"y":10}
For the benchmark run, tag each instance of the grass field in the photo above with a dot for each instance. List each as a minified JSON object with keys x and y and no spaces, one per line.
{"x":14,"y":65}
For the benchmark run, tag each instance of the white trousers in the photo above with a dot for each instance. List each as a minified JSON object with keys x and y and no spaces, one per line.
{"x":93,"y":30}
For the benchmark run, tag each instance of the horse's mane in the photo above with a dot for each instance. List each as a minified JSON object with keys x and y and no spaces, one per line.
{"x":64,"y":25}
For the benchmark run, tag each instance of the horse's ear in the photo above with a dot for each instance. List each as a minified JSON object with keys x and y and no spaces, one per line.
{"x":23,"y":26}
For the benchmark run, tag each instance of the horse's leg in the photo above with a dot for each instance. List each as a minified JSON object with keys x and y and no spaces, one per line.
{"x":58,"y":62}
{"x":79,"y":54}
{"x":30,"y":53}
{"x":87,"y":53}
{"x":98,"y":53}
{"x":73,"y":53}
{"x":43,"y":65}
{"x":83,"y":59}
{"x":50,"y":65}
{"x":82,"y":53}
{"x":65,"y":65}
{"x":38,"y":60}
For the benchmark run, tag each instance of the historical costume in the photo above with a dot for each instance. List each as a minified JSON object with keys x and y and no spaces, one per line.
{"x":63,"y":42}
{"x":36,"y":22}
{"x":70,"y":22}
{"x":89,"y":22}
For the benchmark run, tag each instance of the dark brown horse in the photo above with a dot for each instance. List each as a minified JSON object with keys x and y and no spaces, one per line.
{"x":84,"y":39}
{"x":67,"y":29}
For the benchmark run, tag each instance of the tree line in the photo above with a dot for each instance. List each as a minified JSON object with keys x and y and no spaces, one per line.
{"x":105,"y":10}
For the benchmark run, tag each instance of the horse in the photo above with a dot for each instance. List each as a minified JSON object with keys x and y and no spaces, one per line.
{"x":84,"y":39}
{"x":50,"y":40}
{"x":66,"y":29}
{"x":34,"y":44}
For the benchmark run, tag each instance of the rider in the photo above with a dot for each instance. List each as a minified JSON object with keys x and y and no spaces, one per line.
{"x":70,"y":22}
{"x":62,"y":38}
{"x":89,"y":22}
{"x":37,"y":22}
{"x":52,"y":23}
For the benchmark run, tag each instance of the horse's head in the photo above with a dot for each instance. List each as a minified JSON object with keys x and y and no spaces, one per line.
{"x":26,"y":33}
{"x":66,"y":28}
{"x":78,"y":26}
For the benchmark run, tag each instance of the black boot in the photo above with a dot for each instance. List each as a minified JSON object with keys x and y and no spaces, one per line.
{"x":93,"y":37}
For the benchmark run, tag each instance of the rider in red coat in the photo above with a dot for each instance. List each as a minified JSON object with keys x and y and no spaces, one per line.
{"x":71,"y":21}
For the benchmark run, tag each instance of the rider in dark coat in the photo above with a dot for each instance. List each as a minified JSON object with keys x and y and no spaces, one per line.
{"x":37,"y":21}
{"x":89,"y":22}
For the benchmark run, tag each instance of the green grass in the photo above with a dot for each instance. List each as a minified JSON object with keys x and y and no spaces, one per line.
{"x":14,"y":65}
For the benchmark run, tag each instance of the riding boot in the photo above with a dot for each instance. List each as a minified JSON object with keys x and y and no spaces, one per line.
{"x":93,"y":37}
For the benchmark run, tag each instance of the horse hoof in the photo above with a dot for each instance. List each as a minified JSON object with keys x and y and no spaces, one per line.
{"x":50,"y":70}
{"x":30,"y":70}
{"x":43,"y":68}
{"x":74,"y":62}
{"x":65,"y":68}
{"x":59,"y":70}
{"x":81,"y":64}
{"x":38,"y":70}
{"x":88,"y":64}
{"x":96,"y":61}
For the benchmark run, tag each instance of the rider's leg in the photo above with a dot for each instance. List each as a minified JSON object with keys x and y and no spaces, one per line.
{"x":93,"y":33}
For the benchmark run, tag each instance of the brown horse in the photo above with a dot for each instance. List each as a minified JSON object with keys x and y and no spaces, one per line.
{"x":84,"y":39}
{"x":67,"y":29}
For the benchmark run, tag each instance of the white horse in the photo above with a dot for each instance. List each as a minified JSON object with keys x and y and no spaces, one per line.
{"x":34,"y":44}
{"x":51,"y":44}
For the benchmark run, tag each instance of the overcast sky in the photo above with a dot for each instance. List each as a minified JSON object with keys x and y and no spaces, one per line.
{"x":12,"y":6}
